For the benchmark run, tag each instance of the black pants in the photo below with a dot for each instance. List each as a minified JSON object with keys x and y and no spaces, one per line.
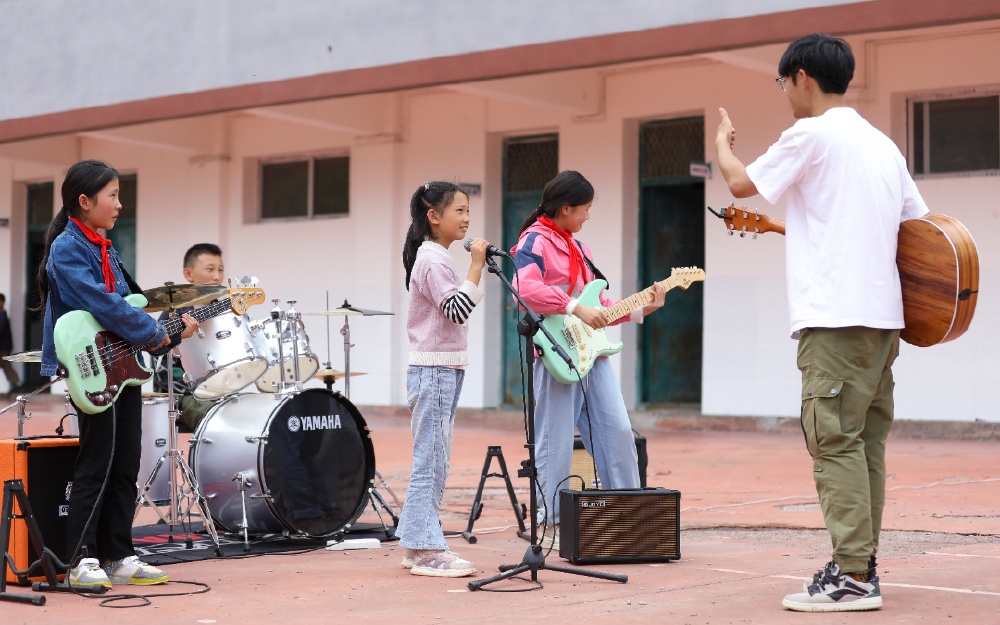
{"x":109,"y":535}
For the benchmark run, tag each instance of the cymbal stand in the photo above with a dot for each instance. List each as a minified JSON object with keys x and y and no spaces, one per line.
{"x":22,"y":400}
{"x":292,"y":316}
{"x":187,"y":487}
{"x":346,"y":332}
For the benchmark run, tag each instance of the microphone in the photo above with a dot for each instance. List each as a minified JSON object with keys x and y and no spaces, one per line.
{"x":490,"y":250}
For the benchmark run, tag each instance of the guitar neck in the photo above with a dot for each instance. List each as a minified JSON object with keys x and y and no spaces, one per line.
{"x":174,"y":325}
{"x":643,"y":297}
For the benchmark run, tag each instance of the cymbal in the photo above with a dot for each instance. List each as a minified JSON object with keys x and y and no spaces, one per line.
{"x":25,"y":357}
{"x":181,"y":295}
{"x":346,"y":310}
{"x":322,"y":374}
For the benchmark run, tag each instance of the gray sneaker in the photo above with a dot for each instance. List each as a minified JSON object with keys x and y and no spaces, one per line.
{"x":834,"y":591}
{"x":88,"y":574}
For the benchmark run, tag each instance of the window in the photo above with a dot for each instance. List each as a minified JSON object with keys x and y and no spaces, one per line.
{"x":304,"y":188}
{"x":955,"y":133}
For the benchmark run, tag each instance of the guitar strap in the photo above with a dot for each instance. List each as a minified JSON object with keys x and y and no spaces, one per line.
{"x":132,"y":286}
{"x":593,"y":267}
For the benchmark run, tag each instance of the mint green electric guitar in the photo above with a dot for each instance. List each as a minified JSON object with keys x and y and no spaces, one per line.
{"x":585,"y":344}
{"x":99,"y":363}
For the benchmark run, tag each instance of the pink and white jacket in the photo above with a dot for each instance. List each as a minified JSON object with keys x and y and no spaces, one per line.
{"x":541,"y":259}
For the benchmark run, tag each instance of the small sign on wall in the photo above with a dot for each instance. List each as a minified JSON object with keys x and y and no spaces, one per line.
{"x":472,"y":190}
{"x":697,"y":169}
{"x":4,"y":222}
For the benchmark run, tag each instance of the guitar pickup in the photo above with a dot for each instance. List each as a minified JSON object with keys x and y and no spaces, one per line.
{"x":93,"y":360}
{"x":568,"y":335}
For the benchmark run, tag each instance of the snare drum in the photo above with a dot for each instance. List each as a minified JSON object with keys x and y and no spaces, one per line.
{"x":221,"y":358}
{"x":268,"y":338}
{"x":306,"y":459}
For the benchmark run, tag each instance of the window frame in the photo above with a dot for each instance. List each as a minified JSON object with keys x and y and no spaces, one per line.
{"x":310,"y":159}
{"x":923,"y":99}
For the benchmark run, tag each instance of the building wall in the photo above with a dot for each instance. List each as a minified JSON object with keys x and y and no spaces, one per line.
{"x":196,"y":183}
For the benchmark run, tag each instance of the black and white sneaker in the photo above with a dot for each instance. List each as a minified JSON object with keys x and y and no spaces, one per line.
{"x":872,"y":574}
{"x":833,"y":591}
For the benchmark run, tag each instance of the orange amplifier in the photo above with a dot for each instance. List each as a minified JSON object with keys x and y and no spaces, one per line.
{"x":45,"y":467}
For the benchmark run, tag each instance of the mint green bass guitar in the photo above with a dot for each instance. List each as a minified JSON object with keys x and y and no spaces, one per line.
{"x":99,"y":364}
{"x":585,"y":344}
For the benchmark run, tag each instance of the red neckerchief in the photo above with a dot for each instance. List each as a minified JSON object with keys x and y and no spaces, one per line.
{"x":575,"y":256}
{"x":93,"y":237}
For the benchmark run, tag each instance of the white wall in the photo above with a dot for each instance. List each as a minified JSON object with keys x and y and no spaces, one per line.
{"x":194,"y":186}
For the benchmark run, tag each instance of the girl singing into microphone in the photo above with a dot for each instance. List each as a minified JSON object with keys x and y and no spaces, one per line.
{"x":439,"y":305}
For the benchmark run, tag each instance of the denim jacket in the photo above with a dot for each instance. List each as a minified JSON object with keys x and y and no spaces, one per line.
{"x":76,"y":282}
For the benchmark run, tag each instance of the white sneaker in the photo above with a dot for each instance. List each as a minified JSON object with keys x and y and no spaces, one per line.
{"x":441,"y":564}
{"x":834,"y":591}
{"x":132,"y":570}
{"x":88,"y":574}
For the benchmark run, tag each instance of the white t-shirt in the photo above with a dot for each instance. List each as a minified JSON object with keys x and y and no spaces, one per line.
{"x":847,"y":190}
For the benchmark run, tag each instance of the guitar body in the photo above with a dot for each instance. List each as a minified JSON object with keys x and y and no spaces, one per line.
{"x":99,"y":363}
{"x":939,"y":273}
{"x":583,"y":343}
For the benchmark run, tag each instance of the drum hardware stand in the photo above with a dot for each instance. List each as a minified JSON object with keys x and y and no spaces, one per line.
{"x":520,"y":511}
{"x":22,"y":400}
{"x":291,"y":316}
{"x":533,"y":559}
{"x":188,"y":487}
{"x":243,"y":480}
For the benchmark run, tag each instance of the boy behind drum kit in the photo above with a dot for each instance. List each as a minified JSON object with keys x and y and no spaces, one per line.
{"x":202,"y":265}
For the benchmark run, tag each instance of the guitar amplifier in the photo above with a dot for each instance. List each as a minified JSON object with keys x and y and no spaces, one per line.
{"x":583,"y":465}
{"x":45,"y":467}
{"x":628,"y":525}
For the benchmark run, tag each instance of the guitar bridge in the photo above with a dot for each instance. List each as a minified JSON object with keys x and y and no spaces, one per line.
{"x":83,"y":365}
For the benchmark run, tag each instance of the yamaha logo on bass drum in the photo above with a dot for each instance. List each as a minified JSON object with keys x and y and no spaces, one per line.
{"x":315,"y":422}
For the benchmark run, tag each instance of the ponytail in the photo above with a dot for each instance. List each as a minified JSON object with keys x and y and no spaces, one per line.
{"x":84,"y":178}
{"x":430,"y":195}
{"x":568,"y":188}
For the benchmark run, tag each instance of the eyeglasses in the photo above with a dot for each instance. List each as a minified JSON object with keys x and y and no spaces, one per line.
{"x":781,"y":83}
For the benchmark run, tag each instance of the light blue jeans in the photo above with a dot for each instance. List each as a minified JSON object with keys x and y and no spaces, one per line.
{"x":432,"y":394}
{"x":558,"y":408}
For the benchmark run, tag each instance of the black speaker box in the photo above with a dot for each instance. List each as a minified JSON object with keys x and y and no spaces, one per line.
{"x":45,"y":467}
{"x":583,"y":465}
{"x":628,"y":525}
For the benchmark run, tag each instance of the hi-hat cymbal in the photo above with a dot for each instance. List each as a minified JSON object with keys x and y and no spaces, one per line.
{"x":26,"y":357}
{"x":346,"y":310}
{"x":322,"y":374}
{"x":181,"y":295}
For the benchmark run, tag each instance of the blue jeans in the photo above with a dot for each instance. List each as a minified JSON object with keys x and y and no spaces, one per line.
{"x":558,"y":408}
{"x":432,"y":394}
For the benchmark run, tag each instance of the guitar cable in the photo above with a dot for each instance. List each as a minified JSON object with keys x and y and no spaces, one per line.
{"x":107,"y":600}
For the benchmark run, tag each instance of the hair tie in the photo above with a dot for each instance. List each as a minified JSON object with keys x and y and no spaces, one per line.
{"x":539,"y":209}
{"x":427,"y":186}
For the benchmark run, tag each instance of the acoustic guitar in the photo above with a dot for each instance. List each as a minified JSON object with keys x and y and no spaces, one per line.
{"x":938,"y":271}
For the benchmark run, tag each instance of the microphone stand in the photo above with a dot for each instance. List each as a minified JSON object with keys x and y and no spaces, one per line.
{"x":533,"y":560}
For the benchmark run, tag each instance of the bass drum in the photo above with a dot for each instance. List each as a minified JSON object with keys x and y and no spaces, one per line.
{"x":306,"y":458}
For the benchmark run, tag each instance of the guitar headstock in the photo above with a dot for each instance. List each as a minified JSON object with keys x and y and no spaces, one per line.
{"x":243,"y":298}
{"x":684,"y":276}
{"x":745,"y":221}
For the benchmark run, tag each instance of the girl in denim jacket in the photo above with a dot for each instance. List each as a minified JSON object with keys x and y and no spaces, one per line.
{"x":80,"y":270}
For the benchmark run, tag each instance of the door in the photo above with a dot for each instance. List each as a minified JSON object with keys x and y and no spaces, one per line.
{"x":529,"y":163}
{"x":672,"y":234}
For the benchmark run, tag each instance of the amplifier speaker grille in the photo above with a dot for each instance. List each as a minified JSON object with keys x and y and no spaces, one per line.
{"x":629,"y":525}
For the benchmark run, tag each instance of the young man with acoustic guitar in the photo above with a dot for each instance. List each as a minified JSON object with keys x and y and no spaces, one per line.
{"x":847,"y":188}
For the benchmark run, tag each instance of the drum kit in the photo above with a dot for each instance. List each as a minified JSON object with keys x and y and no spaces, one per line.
{"x":277,"y":459}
